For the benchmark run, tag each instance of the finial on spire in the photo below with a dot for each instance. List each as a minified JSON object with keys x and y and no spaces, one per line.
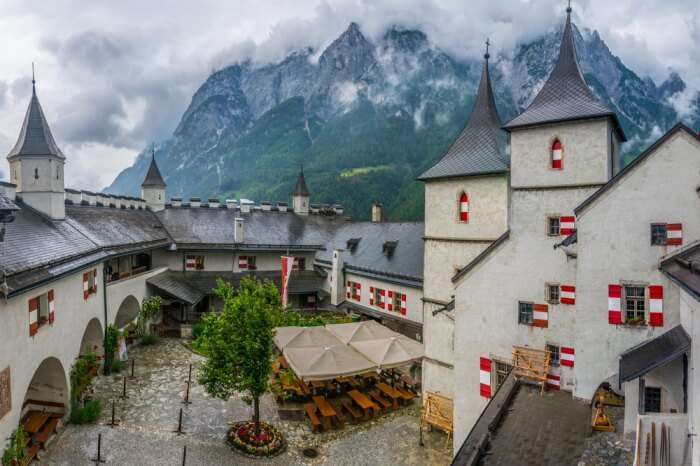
{"x":568,"y":8}
{"x":153,"y":151}
{"x":488,"y":43}
{"x":33,"y":80}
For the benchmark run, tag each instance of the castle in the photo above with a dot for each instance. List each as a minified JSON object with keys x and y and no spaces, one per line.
{"x":534,"y":236}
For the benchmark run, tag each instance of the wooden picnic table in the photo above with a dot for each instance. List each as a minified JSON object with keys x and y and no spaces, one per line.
{"x":348,"y":380}
{"x":389,"y":391}
{"x":327,"y":411}
{"x":35,"y":421}
{"x":363,"y":402}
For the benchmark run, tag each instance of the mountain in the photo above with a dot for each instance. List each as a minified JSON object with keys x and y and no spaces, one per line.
{"x":364,"y":119}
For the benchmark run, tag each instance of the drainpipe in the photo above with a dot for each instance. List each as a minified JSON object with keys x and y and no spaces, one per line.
{"x":104,"y":300}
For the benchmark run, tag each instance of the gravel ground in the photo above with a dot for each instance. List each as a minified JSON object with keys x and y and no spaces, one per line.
{"x":149,"y":416}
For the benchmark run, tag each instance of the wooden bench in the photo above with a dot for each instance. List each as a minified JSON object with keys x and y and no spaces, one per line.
{"x":405,"y":394}
{"x":310,"y":410}
{"x":347,"y":404}
{"x":305,"y":390}
{"x":47,"y":432}
{"x":378,"y":398}
{"x":31,"y":454}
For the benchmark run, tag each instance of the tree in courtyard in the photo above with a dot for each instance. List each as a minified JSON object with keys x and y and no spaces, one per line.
{"x":149,"y":309}
{"x":240,"y":342}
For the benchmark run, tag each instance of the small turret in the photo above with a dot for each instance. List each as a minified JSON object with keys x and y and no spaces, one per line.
{"x":301,"y":196}
{"x":153,"y":186}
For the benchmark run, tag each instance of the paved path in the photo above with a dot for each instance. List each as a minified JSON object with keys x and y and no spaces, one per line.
{"x":149,"y":417}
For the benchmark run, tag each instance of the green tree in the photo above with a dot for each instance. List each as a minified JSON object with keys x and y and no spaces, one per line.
{"x":149,"y":309}
{"x":240,"y":342}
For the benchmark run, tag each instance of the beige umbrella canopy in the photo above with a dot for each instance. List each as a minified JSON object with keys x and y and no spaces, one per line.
{"x":327,"y":362}
{"x":390,"y":352}
{"x":360,"y":331}
{"x":304,"y":337}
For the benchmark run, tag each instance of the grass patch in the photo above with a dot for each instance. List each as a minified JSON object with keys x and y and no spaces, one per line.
{"x":149,"y":339}
{"x":359,"y":171}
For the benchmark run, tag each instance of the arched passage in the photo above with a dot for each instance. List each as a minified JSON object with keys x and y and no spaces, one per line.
{"x":128,"y":311}
{"x":92,"y":338}
{"x":48,"y":389}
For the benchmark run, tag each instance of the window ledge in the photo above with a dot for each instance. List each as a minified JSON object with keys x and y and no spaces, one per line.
{"x":640,"y":325}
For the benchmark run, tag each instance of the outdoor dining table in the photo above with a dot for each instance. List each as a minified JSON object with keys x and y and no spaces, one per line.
{"x":389,"y":391}
{"x":363,"y":402}
{"x":326,"y":410}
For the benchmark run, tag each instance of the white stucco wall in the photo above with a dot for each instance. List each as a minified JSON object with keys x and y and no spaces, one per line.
{"x":614,"y":245}
{"x":135,"y":286}
{"x":690,"y":318}
{"x":414,"y":305}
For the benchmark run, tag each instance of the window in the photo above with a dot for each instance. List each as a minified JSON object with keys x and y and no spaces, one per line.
{"x":525,"y":313}
{"x":634,"y":304}
{"x":553,"y":225}
{"x":354,"y":291}
{"x":194,"y":263}
{"x":556,"y":155}
{"x":652,"y":400}
{"x":376,"y":297}
{"x":502,"y":370}
{"x":551,"y":293}
{"x":658,"y":234}
{"x":396,"y":301}
{"x":43,"y":310}
{"x":299,"y":263}
{"x":553,"y":355}
{"x":464,"y":208}
{"x":252,"y":263}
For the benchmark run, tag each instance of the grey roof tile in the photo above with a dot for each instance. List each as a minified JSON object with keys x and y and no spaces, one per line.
{"x":300,"y":188}
{"x":153,"y":177}
{"x":35,"y":137}
{"x":482,"y":146}
{"x":654,"y":353}
{"x":7,"y":203}
{"x":565,"y":96}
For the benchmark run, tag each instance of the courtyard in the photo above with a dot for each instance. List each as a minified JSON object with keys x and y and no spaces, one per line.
{"x":148,"y":419}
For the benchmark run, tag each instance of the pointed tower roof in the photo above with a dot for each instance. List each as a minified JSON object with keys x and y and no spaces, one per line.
{"x":300,"y":189}
{"x":565,"y":96}
{"x":153,"y":177}
{"x":35,"y":137}
{"x":481,"y":146}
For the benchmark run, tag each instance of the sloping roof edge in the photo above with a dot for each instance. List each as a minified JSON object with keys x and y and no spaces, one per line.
{"x":484,"y":254}
{"x":643,"y":156}
{"x":675,"y":342}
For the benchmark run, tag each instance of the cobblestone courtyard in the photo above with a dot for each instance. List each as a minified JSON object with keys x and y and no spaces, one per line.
{"x":149,"y":416}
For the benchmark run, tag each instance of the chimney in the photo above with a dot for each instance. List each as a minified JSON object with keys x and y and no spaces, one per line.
{"x":214,"y":203}
{"x":238,"y":236}
{"x":195,"y":202}
{"x":8,"y":190}
{"x":231,"y":204}
{"x":282,"y":206}
{"x":246,"y":206}
{"x":266,"y":206}
{"x":337,"y":278}
{"x":377,"y":212}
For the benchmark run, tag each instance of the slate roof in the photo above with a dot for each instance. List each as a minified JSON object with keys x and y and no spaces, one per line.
{"x":7,"y":204}
{"x":35,"y":137}
{"x":202,"y":227}
{"x":481,"y":147}
{"x":153,"y":176}
{"x":684,"y":269}
{"x":300,"y":188}
{"x":565,"y":96}
{"x":654,"y":353}
{"x":406,"y":262}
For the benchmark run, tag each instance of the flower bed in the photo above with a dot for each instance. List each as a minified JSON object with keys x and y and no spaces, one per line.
{"x":267,"y":442}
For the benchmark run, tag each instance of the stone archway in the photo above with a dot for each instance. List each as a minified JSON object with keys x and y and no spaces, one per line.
{"x":48,"y":389}
{"x":128,"y":311}
{"x":93,"y":338}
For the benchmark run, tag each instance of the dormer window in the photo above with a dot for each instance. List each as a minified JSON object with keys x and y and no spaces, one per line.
{"x":464,"y":208}
{"x":556,"y":155}
{"x":389,"y":247}
{"x":352,"y":243}
{"x":36,"y":173}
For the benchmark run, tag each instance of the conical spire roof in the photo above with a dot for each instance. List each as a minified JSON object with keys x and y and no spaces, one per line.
{"x":481,"y":147}
{"x":153,"y":177}
{"x":35,"y":137}
{"x":300,"y":189}
{"x":565,"y":96}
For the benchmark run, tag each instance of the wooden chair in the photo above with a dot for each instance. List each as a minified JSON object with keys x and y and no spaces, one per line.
{"x":310,"y":410}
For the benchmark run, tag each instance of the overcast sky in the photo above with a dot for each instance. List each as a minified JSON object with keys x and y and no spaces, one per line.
{"x":113,"y":76}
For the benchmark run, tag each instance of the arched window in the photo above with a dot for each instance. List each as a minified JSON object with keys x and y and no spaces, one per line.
{"x":557,"y":150}
{"x":464,"y":208}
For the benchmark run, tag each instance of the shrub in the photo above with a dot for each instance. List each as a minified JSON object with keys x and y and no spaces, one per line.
{"x":16,"y":449}
{"x":149,"y":339}
{"x":111,"y":336}
{"x":89,"y":413}
{"x":117,"y":366}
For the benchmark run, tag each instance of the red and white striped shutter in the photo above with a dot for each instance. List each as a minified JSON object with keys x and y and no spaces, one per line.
{"x":403,"y":304}
{"x":557,"y":155}
{"x":33,"y":316}
{"x":566,"y":356}
{"x":190,"y":262}
{"x":358,"y":287}
{"x":371,"y":296}
{"x":656,"y":305}
{"x":86,"y":289}
{"x":390,"y":302}
{"x":540,"y":315}
{"x":243,"y":262}
{"x":567,"y":294}
{"x":94,"y":280}
{"x":348,"y":289}
{"x":614,"y":310}
{"x":382,"y":299}
{"x":567,"y":225}
{"x":464,"y":208}
{"x":485,"y":377}
{"x":52,"y":308}
{"x":554,"y":381}
{"x":674,"y":234}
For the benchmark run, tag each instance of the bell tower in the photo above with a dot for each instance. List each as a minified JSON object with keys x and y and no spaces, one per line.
{"x":36,"y":163}
{"x":301,"y":196}
{"x":153,"y":186}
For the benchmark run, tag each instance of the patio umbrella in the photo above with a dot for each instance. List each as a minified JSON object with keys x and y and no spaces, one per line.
{"x":304,"y":337}
{"x":323,"y":363}
{"x":360,"y":331}
{"x":390,"y":352}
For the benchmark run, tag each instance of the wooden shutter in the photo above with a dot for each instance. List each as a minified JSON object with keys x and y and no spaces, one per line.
{"x":656,"y":305}
{"x":94,"y":281}
{"x":348,"y":289}
{"x":567,"y":225}
{"x":243,"y":262}
{"x":553,"y":381}
{"x":52,"y":309}
{"x":567,"y":294}
{"x":540,"y":315}
{"x":371,"y":296}
{"x":191,"y":262}
{"x":382,"y":299}
{"x":566,"y":356}
{"x":390,"y":301}
{"x":485,"y":377}
{"x":464,"y":208}
{"x":557,"y":162}
{"x":86,"y":290}
{"x":403,"y":304}
{"x":614,"y":310}
{"x":33,"y":316}
{"x":674,"y":234}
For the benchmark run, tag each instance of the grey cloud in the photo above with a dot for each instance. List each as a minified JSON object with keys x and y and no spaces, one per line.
{"x":3,"y":93}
